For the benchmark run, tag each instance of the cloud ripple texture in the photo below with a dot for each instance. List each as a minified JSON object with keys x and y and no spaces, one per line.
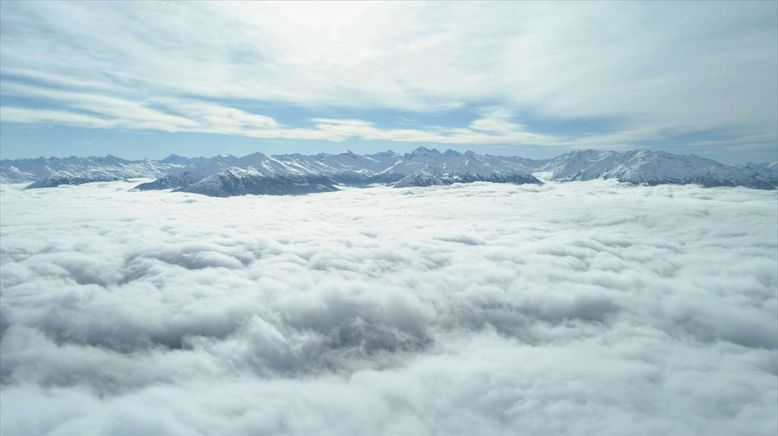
{"x":585,"y":308}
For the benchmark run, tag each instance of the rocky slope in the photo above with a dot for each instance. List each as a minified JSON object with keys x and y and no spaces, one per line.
{"x":258,"y":173}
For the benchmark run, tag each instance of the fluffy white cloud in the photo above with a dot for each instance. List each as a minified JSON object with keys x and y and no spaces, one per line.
{"x":660,"y":70}
{"x":579,"y":308}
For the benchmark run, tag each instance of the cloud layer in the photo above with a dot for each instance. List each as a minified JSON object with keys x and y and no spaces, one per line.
{"x":702,"y":72}
{"x":578,"y":308}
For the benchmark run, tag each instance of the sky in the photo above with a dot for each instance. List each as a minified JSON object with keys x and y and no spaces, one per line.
{"x":143,"y":80}
{"x":587,"y":308}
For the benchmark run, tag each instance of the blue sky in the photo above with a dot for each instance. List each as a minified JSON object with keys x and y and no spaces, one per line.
{"x":531,"y":79}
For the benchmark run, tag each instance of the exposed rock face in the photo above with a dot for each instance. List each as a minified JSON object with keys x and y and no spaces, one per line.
{"x":300,"y":174}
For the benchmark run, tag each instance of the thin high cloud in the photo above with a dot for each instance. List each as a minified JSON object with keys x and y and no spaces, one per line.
{"x":177,"y":115}
{"x":662,"y":70}
{"x":555,"y":309}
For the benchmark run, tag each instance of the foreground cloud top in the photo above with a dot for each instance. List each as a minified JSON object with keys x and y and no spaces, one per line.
{"x":589,"y":307}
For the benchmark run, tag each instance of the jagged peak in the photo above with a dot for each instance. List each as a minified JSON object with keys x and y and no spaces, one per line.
{"x":255,"y":155}
{"x":635,"y":166}
{"x":422,"y":151}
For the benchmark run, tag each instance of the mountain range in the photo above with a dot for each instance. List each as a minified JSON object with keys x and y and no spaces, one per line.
{"x":258,"y":173}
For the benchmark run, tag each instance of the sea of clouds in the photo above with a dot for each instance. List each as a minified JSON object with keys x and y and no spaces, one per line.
{"x":581,"y":308}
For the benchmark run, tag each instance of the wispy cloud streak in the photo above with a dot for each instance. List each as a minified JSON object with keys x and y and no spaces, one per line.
{"x":662,"y":70}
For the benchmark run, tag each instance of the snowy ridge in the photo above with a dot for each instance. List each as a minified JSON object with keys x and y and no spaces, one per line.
{"x":657,"y":167}
{"x":258,"y":173}
{"x":299,"y":174}
{"x":47,"y":172}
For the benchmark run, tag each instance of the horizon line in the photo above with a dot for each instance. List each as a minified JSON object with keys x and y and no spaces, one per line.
{"x":171,"y":155}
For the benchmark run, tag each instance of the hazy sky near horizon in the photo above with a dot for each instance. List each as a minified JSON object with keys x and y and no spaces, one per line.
{"x":534,"y":79}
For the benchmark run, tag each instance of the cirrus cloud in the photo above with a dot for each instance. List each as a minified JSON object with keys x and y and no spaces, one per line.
{"x":694,"y":76}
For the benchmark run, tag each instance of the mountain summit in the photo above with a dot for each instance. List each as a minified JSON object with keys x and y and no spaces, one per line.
{"x":258,"y":173}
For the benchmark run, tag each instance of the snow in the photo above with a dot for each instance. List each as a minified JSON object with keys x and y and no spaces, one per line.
{"x":421,"y":167}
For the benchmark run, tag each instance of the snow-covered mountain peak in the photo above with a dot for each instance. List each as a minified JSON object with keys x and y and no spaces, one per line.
{"x":424,"y":151}
{"x":654,"y":167}
{"x":297,"y":173}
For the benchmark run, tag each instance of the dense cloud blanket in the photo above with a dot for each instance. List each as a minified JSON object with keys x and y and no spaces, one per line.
{"x":576,"y":308}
